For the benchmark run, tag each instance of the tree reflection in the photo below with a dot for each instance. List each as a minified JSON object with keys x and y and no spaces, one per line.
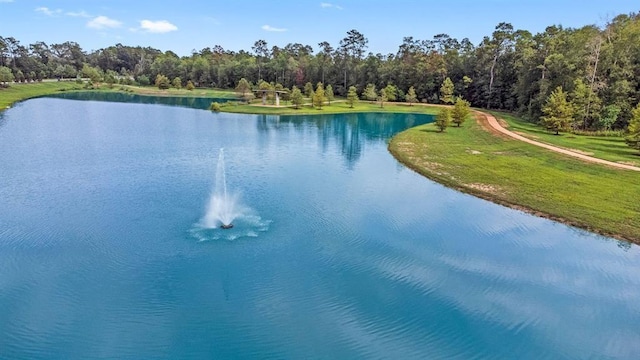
{"x":350,"y":132}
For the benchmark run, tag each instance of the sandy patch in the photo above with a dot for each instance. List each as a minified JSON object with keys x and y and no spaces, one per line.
{"x":491,"y":189}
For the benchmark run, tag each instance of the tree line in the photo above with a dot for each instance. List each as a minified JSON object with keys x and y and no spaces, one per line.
{"x":595,"y":69}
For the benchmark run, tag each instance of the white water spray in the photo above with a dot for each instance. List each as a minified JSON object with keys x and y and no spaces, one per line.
{"x":223,"y":207}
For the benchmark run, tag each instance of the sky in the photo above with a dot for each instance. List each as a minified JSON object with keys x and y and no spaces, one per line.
{"x":187,"y":25}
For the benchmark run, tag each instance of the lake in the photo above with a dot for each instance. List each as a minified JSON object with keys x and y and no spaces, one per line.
{"x":341,"y":251}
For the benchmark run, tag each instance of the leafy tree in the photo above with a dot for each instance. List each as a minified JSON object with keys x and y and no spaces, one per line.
{"x":557,"y":111}
{"x":93,"y":73}
{"x":318,"y":97}
{"x":190,"y":86}
{"x":585,"y":103}
{"x":370,"y":92}
{"x":461,"y":109}
{"x":352,"y":96}
{"x":143,"y":80}
{"x":382,"y":96}
{"x":411,"y":96}
{"x":296,"y":97}
{"x":110,"y":77}
{"x":609,"y":116}
{"x":177,"y":83}
{"x":328,"y":93}
{"x":443,"y":119}
{"x":6,"y":76}
{"x":243,"y":87}
{"x":633,"y":136}
{"x":162,"y":82}
{"x":446,"y":91}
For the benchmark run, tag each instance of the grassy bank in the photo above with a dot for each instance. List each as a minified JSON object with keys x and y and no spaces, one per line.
{"x":198,"y":92}
{"x":612,"y":148}
{"x":18,"y":92}
{"x":336,"y":107}
{"x":524,"y":176}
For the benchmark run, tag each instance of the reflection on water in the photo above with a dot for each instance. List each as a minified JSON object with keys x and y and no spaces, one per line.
{"x":360,"y":258}
{"x":351,"y":131}
{"x":186,"y":101}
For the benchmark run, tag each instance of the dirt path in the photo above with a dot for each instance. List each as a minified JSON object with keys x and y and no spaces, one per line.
{"x":495,"y":125}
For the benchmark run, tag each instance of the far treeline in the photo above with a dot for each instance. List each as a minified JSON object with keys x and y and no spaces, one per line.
{"x":582,"y":79}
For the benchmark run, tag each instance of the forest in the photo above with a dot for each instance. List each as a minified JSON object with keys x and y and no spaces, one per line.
{"x":593,"y":72}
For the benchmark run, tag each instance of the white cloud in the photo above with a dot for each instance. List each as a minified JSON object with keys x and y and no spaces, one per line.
{"x":103,"y":22}
{"x":78,"y":14}
{"x":158,"y":27}
{"x":47,"y":11}
{"x":325,"y":5}
{"x":271,"y":28}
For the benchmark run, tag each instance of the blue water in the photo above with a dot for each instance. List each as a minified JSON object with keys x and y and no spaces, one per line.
{"x":344,"y":252}
{"x":194,"y":102}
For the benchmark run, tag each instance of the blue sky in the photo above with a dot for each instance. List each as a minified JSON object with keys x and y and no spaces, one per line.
{"x":185,"y":25}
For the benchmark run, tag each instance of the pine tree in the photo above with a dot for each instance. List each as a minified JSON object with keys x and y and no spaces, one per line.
{"x":296,"y":97}
{"x":443,"y":119}
{"x":446,"y":91}
{"x":370,"y":92}
{"x":177,"y":83}
{"x":308,"y":89}
{"x":390,"y":91}
{"x":243,"y":87}
{"x":461,"y":110}
{"x":411,"y":96}
{"x":328,"y":93}
{"x":557,"y":111}
{"x":352,"y":96}
{"x":162,"y":82}
{"x":318,"y":96}
{"x":382,"y":96}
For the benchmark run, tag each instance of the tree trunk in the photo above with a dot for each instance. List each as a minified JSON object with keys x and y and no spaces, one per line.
{"x":493,"y":66}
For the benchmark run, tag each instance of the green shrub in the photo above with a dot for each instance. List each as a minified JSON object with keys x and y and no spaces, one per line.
{"x":215,"y":107}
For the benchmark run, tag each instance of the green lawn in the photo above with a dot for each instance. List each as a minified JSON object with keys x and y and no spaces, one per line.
{"x":17,"y":92}
{"x":198,"y":92}
{"x":610,"y":148}
{"x":336,"y":107}
{"x":521,"y":175}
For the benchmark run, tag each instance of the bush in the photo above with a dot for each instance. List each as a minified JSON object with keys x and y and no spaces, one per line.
{"x":215,"y":107}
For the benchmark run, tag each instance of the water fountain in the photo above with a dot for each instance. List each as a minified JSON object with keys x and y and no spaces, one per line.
{"x":223,"y":207}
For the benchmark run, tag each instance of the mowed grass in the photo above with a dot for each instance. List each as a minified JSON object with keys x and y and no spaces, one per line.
{"x":336,"y":107}
{"x":612,"y":148}
{"x":197,"y":92}
{"x":521,"y":175}
{"x":18,"y":92}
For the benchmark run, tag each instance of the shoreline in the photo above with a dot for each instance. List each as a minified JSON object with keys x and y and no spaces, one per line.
{"x":403,"y":157}
{"x":434,"y":172}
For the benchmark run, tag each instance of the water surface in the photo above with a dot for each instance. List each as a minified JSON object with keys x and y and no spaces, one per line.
{"x":101,"y":255}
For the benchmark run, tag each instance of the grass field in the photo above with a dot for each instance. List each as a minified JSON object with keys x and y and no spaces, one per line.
{"x":336,"y":107}
{"x":610,"y":148}
{"x":198,"y":92}
{"x":18,"y":92}
{"x":524,"y":176}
